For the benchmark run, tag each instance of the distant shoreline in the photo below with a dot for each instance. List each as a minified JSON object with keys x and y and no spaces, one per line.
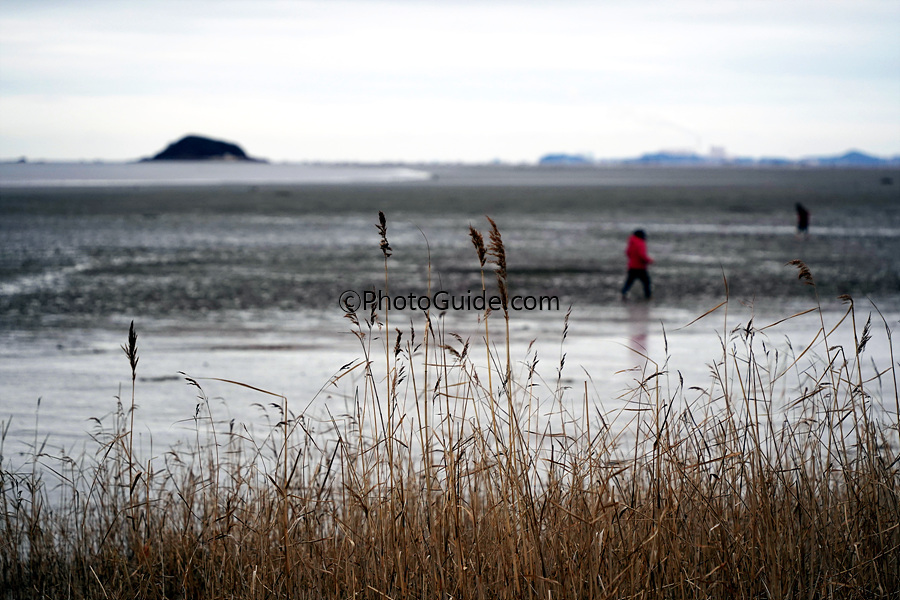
{"x":80,"y":175}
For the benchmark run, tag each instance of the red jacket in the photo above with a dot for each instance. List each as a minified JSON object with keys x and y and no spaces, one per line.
{"x":637,"y":253}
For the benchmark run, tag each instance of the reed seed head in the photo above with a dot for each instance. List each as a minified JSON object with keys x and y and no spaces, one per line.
{"x":478,"y":241}
{"x":498,"y":256}
{"x":397,"y":342}
{"x":866,"y":336}
{"x":382,"y":231}
{"x":804,"y":275}
{"x":131,"y":350}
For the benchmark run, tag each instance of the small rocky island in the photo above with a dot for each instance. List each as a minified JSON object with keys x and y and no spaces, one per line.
{"x":195,"y":147}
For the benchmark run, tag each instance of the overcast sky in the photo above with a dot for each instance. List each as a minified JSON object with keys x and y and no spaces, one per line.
{"x":449,"y":80}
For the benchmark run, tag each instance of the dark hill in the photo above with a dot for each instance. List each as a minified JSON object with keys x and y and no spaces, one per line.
{"x":195,"y":147}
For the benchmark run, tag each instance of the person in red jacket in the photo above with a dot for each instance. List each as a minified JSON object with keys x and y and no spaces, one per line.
{"x":638,"y":261}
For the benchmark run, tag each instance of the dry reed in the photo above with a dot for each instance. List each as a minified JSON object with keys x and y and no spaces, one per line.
{"x":778,"y":480}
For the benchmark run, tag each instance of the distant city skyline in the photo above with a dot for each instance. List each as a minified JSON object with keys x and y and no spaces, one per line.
{"x":470,"y":81}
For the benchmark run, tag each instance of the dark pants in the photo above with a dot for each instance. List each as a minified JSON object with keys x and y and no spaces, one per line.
{"x":640,"y":274}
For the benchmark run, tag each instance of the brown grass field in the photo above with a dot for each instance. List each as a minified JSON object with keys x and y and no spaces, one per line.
{"x":461,"y":473}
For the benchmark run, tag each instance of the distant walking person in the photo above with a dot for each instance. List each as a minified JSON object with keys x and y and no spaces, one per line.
{"x":802,"y":221}
{"x":638,"y":261}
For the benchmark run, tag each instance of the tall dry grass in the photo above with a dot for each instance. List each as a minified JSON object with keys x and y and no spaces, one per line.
{"x":442,"y":476}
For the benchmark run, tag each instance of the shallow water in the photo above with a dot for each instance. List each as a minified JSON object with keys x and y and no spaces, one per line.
{"x":241,"y":280}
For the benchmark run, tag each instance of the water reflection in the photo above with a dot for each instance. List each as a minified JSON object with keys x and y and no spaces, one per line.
{"x":638,"y":327}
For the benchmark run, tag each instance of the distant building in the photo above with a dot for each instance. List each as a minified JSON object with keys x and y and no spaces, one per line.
{"x":718,"y":154}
